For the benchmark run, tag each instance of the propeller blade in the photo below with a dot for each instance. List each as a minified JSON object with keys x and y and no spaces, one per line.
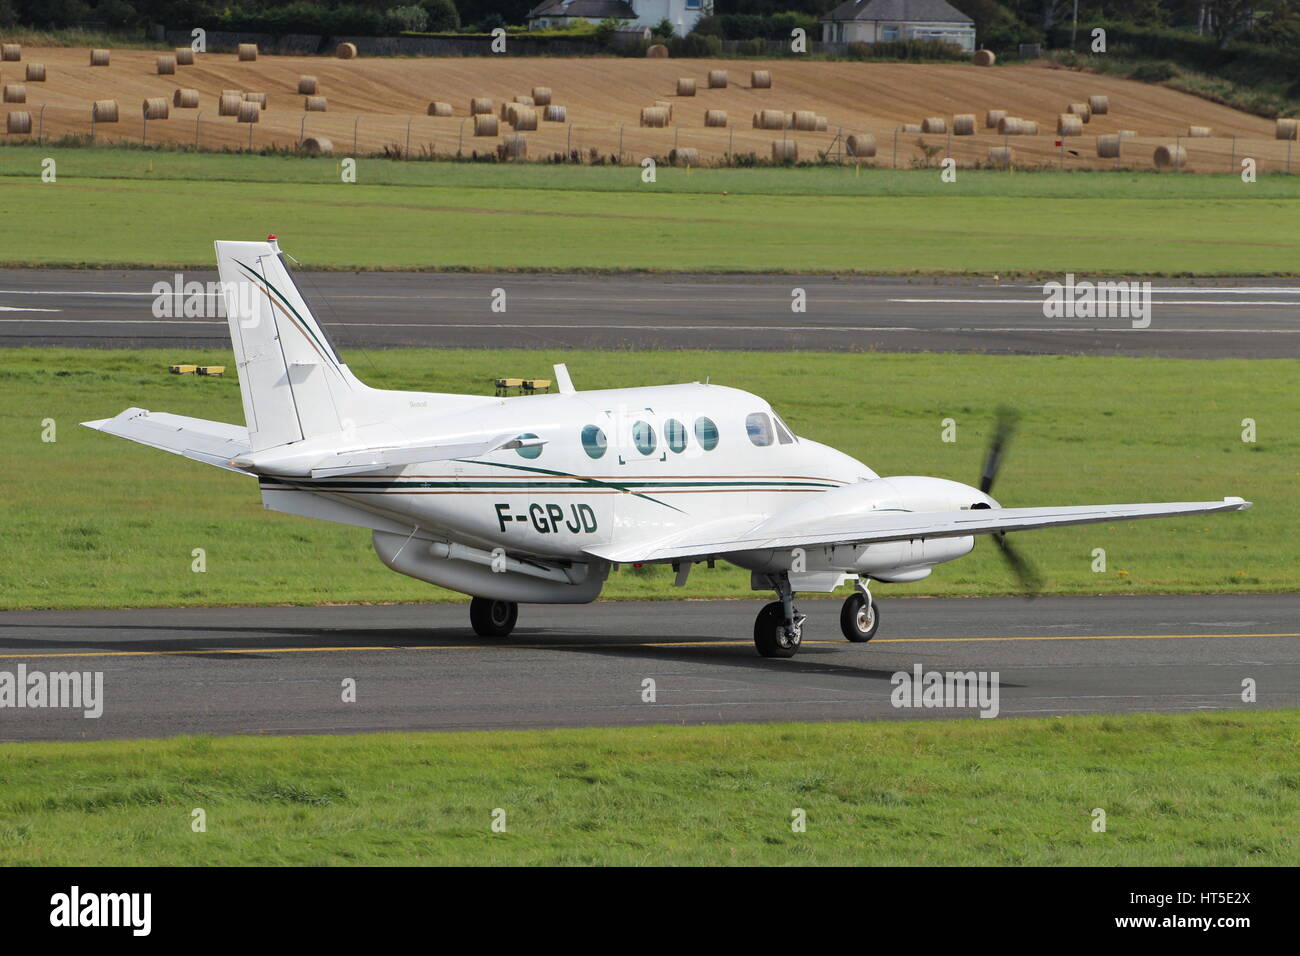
{"x":1031,"y":582}
{"x":1002,"y":434}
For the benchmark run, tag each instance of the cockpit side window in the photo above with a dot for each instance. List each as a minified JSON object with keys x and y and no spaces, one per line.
{"x":759,"y":428}
{"x":783,"y":434}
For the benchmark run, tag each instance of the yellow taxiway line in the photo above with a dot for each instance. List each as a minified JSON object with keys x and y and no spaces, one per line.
{"x":612,"y":645}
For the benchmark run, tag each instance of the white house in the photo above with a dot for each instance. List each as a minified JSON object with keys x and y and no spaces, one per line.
{"x":682,"y":14}
{"x":877,"y":21}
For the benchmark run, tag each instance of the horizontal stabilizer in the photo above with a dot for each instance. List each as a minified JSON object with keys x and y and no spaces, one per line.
{"x":213,"y":443}
{"x":377,"y":459}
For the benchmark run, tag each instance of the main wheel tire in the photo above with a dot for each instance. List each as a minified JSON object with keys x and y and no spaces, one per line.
{"x":769,"y":632}
{"x":858,"y":619}
{"x":493,"y":618}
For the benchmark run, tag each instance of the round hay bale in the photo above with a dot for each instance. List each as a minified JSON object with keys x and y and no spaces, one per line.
{"x":239,"y":93}
{"x":525,"y":101}
{"x":480,"y":105}
{"x":1127,"y":134}
{"x":657,"y":51}
{"x":308,"y":86}
{"x":506,"y":111}
{"x":514,"y":146}
{"x":156,"y":108}
{"x":541,"y":96}
{"x":18,"y":123}
{"x":346,"y":51}
{"x":934,"y":124}
{"x":104,"y":111}
{"x":1198,"y":132}
{"x":667,"y":105}
{"x":760,"y":80}
{"x":715,"y":118}
{"x":185,"y":99}
{"x":911,"y":127}
{"x":861,"y":144}
{"x":317,"y":146}
{"x":993,"y":117}
{"x":315,"y":104}
{"x":717,"y":79}
{"x":35,"y":72}
{"x":1081,"y":110}
{"x":228,"y":104}
{"x":555,"y":114}
{"x":984,"y":58}
{"x":247,"y":52}
{"x":963,"y":124}
{"x":685,"y":86}
{"x":11,"y":52}
{"x":440,"y":109}
{"x":166,"y":64}
{"x":822,"y":124}
{"x":184,"y":56}
{"x":1108,"y":146}
{"x":99,"y":58}
{"x":804,"y":120}
{"x":1011,"y":126}
{"x":1000,"y":155}
{"x":1100,"y":105}
{"x":525,"y":118}
{"x":654,"y":116}
{"x":1028,"y":127}
{"x":784,"y":151}
{"x":1167,"y":156}
{"x":1287,"y":129}
{"x":250,"y":111}
{"x":684,"y":156}
{"x":485,"y":124}
{"x":1069,"y":124}
{"x":258,"y":98}
{"x":15,"y":93}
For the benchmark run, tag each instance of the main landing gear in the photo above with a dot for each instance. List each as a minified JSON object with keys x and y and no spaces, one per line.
{"x":493,"y":618}
{"x":778,"y":629}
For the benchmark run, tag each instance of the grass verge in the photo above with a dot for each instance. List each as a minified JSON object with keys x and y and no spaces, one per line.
{"x":95,"y":521}
{"x":820,"y":220}
{"x":1178,"y":790}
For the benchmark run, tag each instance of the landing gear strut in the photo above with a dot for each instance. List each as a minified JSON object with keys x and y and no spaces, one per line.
{"x":778,"y":629}
{"x":859,"y":616}
{"x":493,"y":618}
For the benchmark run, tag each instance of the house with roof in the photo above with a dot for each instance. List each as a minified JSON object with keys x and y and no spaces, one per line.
{"x":682,"y":14}
{"x":879,"y":21}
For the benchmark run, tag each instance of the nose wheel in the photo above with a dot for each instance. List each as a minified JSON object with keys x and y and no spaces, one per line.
{"x":491,"y":618}
{"x":859,"y":618}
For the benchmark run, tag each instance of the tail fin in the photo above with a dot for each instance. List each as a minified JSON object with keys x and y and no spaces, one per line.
{"x":292,"y":380}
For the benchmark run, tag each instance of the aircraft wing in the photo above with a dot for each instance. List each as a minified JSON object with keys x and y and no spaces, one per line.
{"x":213,"y":443}
{"x":708,"y":540}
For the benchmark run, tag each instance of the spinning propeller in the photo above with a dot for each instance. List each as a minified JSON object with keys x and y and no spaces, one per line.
{"x":1031,"y":582}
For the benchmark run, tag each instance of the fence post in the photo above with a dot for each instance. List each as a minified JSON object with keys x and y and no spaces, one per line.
{"x":40,"y":127}
{"x":408,"y":136}
{"x":895,"y":160}
{"x":356,"y":122}
{"x":144,"y":131}
{"x":92,"y":125}
{"x":1232,"y":163}
{"x":620,"y":144}
{"x":460,"y":142}
{"x":250,"y":137}
{"x":302,"y":130}
{"x":568,"y":138}
{"x":731,"y":137}
{"x":197,"y":117}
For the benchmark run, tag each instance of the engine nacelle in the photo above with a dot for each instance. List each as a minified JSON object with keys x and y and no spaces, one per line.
{"x":415,"y":558}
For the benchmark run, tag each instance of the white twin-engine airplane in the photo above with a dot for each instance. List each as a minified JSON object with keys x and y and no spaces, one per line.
{"x":532,"y":499}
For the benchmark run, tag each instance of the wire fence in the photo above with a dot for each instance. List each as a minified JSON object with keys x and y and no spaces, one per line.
{"x":441,"y":137}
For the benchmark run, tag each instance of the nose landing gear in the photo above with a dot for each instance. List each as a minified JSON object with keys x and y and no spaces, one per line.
{"x":859,"y":616}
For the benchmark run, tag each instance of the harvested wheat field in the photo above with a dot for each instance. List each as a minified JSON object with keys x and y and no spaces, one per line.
{"x":373,"y":104}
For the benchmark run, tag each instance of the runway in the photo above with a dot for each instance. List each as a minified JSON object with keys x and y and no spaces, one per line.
{"x":419,"y":667}
{"x":1205,"y":318}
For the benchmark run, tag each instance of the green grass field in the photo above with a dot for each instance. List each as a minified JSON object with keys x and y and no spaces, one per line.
{"x":167,"y":207}
{"x":1187,"y":790}
{"x":95,"y":521}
